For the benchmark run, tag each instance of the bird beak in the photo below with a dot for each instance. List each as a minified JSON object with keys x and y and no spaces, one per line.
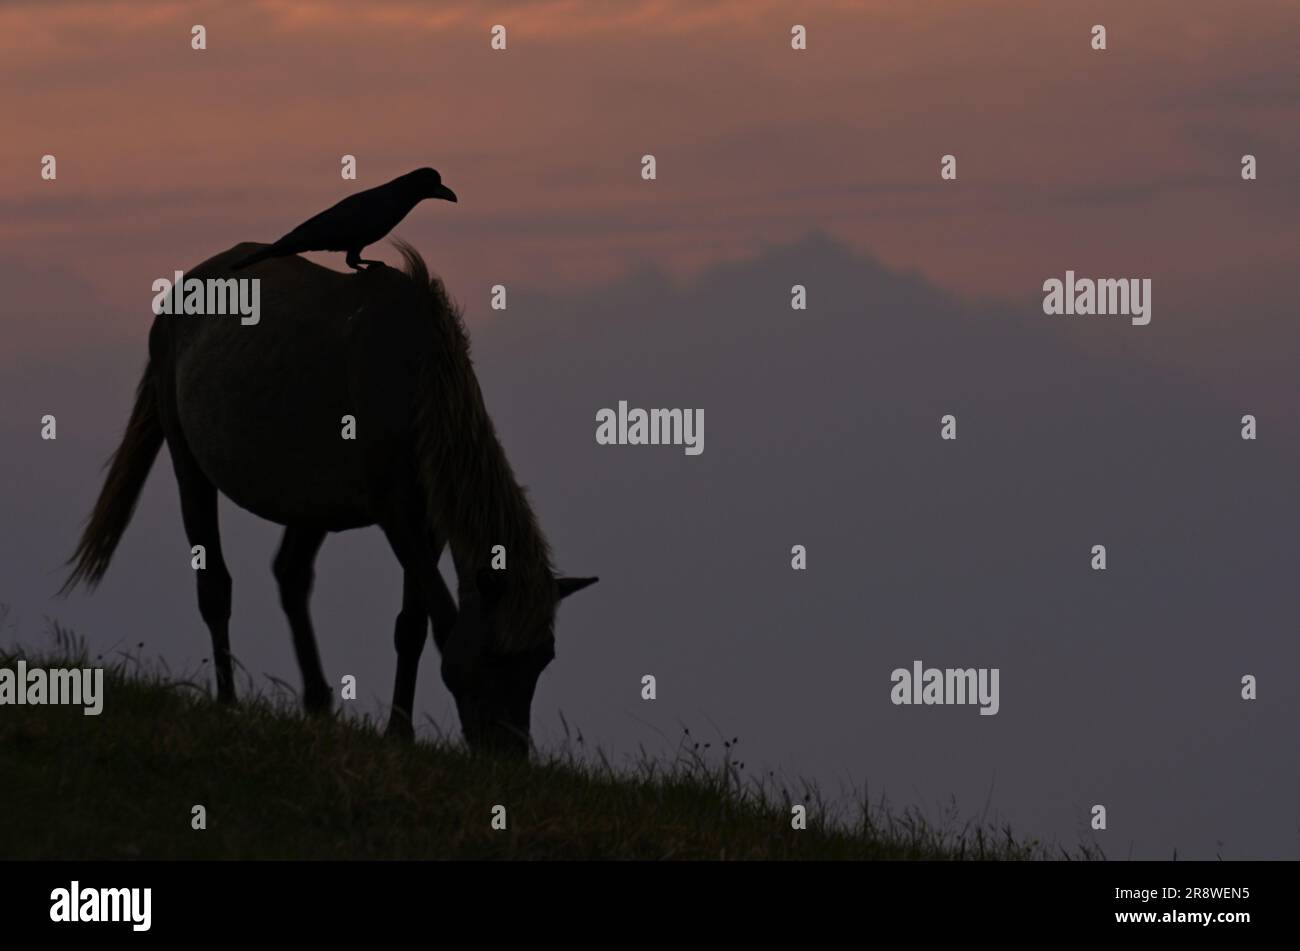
{"x":444,"y":192}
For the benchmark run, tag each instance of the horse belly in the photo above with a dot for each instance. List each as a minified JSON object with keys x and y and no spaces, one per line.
{"x":274,"y":444}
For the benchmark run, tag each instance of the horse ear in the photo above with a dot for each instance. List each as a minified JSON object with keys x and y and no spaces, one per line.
{"x":491,"y":584}
{"x":566,"y":586}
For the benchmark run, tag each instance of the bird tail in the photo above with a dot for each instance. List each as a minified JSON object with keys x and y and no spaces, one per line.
{"x":261,"y":255}
{"x":127,"y":471}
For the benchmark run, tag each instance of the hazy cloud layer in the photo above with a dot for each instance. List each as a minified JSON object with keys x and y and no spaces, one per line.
{"x":1053,"y":141}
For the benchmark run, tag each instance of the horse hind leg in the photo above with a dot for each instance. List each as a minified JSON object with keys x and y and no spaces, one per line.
{"x":199,"y":514}
{"x":294,"y":574}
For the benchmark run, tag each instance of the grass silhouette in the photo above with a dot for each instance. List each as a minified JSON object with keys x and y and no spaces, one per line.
{"x":277,"y":784}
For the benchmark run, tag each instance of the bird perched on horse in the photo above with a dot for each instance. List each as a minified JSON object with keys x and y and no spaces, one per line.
{"x":357,"y":220}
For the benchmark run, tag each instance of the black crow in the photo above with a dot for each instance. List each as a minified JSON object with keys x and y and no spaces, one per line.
{"x":358,"y":220}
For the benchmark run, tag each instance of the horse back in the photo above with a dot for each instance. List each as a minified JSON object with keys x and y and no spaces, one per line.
{"x":291,"y":416}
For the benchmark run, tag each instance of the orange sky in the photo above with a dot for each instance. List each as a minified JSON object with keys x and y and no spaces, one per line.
{"x":1112,"y":162}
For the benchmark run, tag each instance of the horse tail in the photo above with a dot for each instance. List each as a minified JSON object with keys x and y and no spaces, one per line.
{"x":127,"y":470}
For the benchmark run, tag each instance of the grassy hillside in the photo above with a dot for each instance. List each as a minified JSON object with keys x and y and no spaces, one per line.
{"x":278,"y":785}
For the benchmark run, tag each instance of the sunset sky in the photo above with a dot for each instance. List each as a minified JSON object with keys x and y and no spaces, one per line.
{"x":774,"y":167}
{"x":167,"y":154}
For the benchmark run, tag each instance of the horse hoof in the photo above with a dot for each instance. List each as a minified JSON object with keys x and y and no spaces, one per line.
{"x":400,"y":731}
{"x":317,"y":704}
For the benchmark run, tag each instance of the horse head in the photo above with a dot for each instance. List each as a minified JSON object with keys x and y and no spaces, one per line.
{"x":491,"y":677}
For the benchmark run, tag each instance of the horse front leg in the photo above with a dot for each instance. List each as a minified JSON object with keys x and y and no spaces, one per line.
{"x":425,"y":598}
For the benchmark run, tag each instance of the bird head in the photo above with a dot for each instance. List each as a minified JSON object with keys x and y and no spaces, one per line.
{"x":427,"y":183}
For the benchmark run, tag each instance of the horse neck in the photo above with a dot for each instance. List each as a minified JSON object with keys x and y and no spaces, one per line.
{"x":527,"y":611}
{"x":476,"y":500}
{"x":478,"y":522}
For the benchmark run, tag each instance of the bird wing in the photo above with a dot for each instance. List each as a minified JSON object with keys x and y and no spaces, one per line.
{"x":334,"y":229}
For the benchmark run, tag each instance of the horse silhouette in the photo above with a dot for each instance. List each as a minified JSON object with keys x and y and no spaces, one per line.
{"x":256,"y":412}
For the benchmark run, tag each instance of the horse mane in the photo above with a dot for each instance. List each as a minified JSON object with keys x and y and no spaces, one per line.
{"x":474,"y":496}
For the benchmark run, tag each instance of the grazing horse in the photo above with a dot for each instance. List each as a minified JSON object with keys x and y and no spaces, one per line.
{"x":257,"y":413}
